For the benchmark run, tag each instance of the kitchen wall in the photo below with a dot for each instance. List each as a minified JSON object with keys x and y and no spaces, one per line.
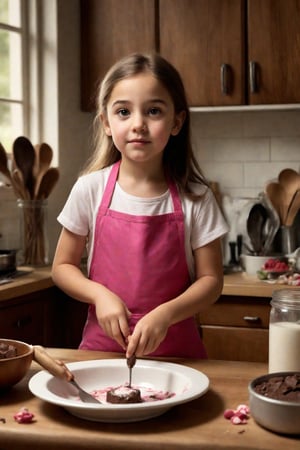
{"x":239,"y":150}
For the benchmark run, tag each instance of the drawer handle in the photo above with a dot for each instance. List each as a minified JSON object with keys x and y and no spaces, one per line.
{"x":253,"y":77}
{"x":225,"y":79}
{"x":251,"y":318}
{"x":21,"y":323}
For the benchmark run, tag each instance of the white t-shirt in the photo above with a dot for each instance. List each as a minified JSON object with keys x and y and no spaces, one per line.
{"x":203,"y":219}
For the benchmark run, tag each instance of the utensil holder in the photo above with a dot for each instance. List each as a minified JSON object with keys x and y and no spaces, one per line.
{"x":34,"y":247}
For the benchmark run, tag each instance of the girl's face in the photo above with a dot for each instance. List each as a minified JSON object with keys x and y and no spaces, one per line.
{"x":140,"y":118}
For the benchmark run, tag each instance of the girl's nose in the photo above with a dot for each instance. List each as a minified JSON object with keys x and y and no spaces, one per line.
{"x":139,"y":123}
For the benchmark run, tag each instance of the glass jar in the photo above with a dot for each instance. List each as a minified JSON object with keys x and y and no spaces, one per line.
{"x":284,"y":331}
{"x":34,"y":248}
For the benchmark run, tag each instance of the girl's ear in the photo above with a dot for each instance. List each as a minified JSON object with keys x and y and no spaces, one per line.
{"x":178,"y":122}
{"x":105,"y":124}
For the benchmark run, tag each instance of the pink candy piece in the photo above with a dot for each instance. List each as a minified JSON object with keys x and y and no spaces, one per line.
{"x":237,"y":416}
{"x":23,"y":416}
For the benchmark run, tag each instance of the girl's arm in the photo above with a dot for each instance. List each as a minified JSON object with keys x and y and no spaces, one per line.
{"x":152,"y":328}
{"x":111,"y":312}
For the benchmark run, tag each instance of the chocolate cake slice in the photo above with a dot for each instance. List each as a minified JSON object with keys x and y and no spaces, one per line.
{"x":124,"y":394}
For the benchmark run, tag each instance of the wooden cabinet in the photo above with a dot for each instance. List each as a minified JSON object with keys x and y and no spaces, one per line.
{"x":234,"y":52}
{"x":205,"y":42}
{"x":33,"y":318}
{"x":273,"y":51}
{"x":237,"y":328}
{"x":47,"y":317}
{"x":229,"y":52}
{"x":111,"y":29}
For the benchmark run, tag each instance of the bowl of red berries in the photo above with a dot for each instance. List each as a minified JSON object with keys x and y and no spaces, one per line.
{"x":273,"y":268}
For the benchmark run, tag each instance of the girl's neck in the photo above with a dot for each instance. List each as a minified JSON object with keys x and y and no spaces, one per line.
{"x":142,"y":180}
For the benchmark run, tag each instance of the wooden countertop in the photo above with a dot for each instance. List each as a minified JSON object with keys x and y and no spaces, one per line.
{"x":242,"y":284}
{"x":198,"y":424}
{"x":34,"y":280}
{"x":239,"y":284}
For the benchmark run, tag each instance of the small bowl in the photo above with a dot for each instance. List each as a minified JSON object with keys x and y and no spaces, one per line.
{"x":279,"y":416}
{"x":251,"y":264}
{"x":12,"y":370}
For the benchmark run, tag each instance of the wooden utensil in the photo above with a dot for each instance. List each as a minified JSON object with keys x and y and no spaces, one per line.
{"x":58,"y":369}
{"x":293,"y":209}
{"x":44,"y":155}
{"x":18,"y":184}
{"x":290,"y":180}
{"x":24,"y":156}
{"x":276,"y":194}
{"x":47,"y":183}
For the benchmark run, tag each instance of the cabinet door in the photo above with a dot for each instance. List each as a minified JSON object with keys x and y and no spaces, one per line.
{"x":205,"y":41}
{"x":274,"y":50}
{"x":236,"y":343}
{"x":111,"y":29}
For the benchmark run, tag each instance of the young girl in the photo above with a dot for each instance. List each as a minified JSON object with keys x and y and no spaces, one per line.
{"x":150,"y":223}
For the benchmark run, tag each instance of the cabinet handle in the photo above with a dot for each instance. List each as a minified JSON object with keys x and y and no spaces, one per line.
{"x":251,"y":318}
{"x":253,"y":77}
{"x":225,"y":79}
{"x":20,"y":323}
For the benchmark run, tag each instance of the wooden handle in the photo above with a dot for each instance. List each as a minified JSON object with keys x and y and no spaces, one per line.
{"x":56,"y":367}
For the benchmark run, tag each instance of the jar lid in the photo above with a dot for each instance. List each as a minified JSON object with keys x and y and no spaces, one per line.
{"x":288,"y":297}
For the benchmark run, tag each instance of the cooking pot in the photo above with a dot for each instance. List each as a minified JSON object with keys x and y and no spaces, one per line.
{"x":7,"y":261}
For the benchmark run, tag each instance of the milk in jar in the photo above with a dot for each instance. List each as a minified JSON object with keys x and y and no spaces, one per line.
{"x":284,"y":331}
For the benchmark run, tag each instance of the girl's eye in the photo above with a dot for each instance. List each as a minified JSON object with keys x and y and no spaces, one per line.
{"x":123,"y":112}
{"x":154,"y":111}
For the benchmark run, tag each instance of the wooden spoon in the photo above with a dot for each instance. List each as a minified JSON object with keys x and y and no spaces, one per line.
{"x":276,"y":194}
{"x":293,"y":209}
{"x":290,"y":180}
{"x":44,"y":156}
{"x":58,"y":369}
{"x":24,"y":155}
{"x":48,"y":182}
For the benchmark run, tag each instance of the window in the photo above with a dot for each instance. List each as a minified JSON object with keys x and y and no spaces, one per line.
{"x":13,"y":103}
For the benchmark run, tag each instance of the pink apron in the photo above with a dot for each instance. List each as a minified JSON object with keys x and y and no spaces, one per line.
{"x":142,"y":260}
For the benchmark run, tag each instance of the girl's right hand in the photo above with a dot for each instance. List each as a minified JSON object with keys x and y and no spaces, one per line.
{"x":112,"y":315}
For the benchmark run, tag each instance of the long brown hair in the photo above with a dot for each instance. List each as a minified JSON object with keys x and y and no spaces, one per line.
{"x":178,"y":158}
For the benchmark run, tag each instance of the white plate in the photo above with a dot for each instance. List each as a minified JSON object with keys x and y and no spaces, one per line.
{"x":186,"y":383}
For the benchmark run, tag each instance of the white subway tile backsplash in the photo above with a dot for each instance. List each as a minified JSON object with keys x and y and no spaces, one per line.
{"x":287,"y":150}
{"x":243,"y":150}
{"x":272,"y":123}
{"x":233,"y":149}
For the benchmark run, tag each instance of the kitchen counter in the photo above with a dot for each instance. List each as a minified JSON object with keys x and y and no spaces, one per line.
{"x":239,"y":284}
{"x":31,"y":280}
{"x":198,"y":424}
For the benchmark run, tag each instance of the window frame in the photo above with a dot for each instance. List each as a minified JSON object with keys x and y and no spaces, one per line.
{"x":29,"y":30}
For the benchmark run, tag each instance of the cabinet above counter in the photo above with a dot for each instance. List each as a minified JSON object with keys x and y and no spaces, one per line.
{"x":236,"y":53}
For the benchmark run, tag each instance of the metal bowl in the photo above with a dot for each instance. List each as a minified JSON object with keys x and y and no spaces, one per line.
{"x":278,"y":416}
{"x":12,"y":370}
{"x":7,"y":260}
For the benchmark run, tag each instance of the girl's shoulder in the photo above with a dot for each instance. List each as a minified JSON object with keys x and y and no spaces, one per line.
{"x":93,"y":180}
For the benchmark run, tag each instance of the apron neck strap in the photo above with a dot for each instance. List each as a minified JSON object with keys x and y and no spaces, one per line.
{"x":110,"y":186}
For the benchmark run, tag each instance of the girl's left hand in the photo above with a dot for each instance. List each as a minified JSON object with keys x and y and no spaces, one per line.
{"x":148,"y":333}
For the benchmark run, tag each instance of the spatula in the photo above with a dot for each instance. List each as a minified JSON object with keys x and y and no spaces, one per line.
{"x":58,"y":369}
